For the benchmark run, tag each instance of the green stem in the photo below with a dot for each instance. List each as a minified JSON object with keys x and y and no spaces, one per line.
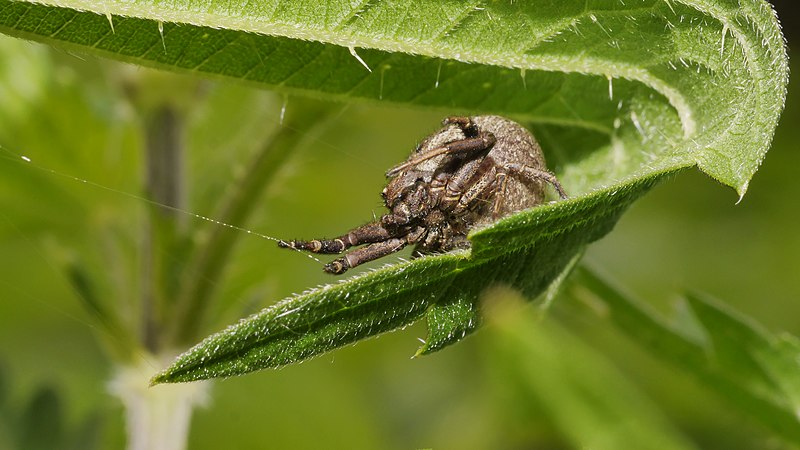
{"x":164,"y":183}
{"x":156,"y":418}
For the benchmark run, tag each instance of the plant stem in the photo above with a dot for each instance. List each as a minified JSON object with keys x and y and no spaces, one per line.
{"x":164,"y":184}
{"x":156,"y":418}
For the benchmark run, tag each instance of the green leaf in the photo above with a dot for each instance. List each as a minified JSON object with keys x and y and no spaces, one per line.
{"x":41,"y":426}
{"x":749,"y":366}
{"x":445,"y":287}
{"x":702,"y":82}
{"x":620,"y":94}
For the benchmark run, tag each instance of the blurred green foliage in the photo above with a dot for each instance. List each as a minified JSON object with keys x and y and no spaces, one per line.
{"x":687,"y":233}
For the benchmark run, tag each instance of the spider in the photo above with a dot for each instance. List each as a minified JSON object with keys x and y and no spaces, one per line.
{"x":471,"y":172}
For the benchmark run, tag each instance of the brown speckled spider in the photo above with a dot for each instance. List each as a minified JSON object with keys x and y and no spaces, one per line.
{"x":472,"y":172}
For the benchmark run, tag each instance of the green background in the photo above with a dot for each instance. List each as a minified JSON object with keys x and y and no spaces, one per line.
{"x":67,"y":113}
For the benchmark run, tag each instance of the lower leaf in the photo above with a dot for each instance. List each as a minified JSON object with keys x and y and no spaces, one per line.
{"x":526,"y":251}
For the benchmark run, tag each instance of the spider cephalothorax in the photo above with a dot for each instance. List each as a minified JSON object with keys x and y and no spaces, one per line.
{"x":471,"y":172}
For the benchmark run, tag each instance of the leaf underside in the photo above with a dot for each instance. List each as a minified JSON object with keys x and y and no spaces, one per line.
{"x":620,"y":94}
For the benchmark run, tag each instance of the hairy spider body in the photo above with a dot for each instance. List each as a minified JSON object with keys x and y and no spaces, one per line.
{"x":471,"y":172}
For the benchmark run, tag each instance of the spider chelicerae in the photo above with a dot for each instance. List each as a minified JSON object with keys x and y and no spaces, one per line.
{"x":471,"y":172}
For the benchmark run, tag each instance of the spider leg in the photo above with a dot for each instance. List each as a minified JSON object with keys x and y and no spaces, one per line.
{"x":484,"y":141}
{"x":486,"y":177}
{"x":467,"y":186}
{"x":365,"y":254}
{"x":365,"y":234}
{"x":502,"y":180}
{"x":465,"y":123}
{"x":534,"y":174}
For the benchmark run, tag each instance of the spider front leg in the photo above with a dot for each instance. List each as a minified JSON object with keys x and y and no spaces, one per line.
{"x":365,"y":234}
{"x":365,"y":254}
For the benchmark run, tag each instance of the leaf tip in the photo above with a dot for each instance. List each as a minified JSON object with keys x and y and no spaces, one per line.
{"x":422,"y":350}
{"x":173,"y":374}
{"x":741,"y":190}
{"x":159,"y":378}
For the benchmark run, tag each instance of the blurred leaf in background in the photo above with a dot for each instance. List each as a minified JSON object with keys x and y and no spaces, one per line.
{"x":38,"y":422}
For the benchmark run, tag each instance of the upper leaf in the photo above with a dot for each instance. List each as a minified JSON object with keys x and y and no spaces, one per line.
{"x":702,"y":80}
{"x":620,"y":93}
